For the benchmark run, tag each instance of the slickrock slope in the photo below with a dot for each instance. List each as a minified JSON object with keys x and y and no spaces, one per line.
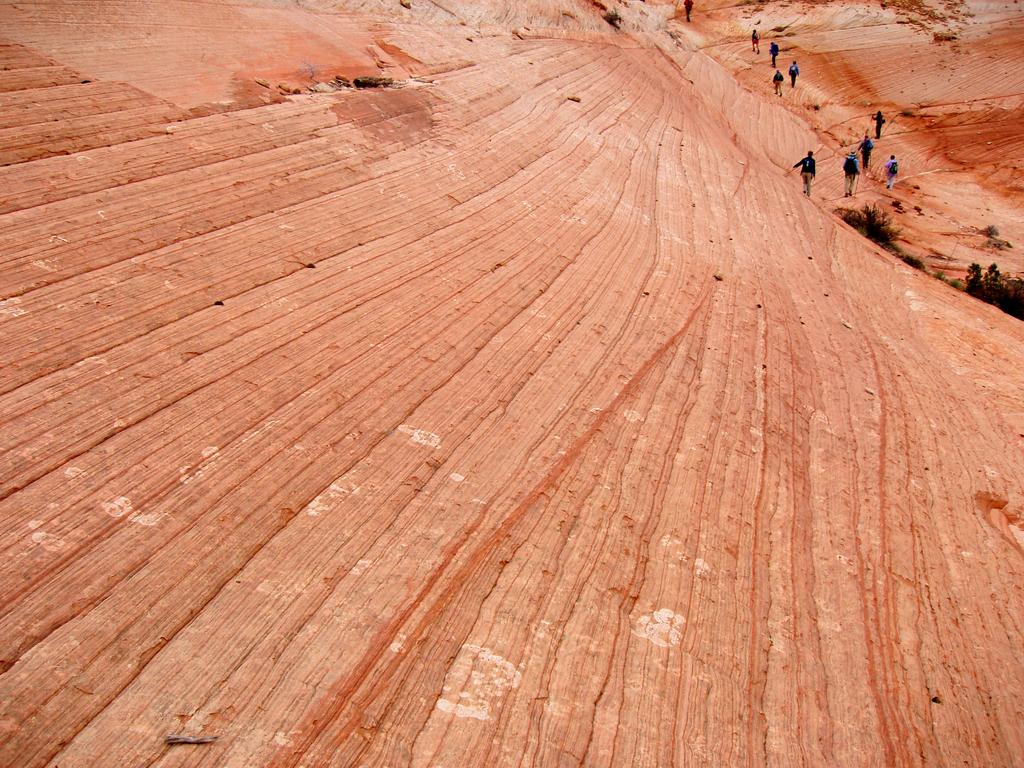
{"x":947,"y":78}
{"x":465,"y":423}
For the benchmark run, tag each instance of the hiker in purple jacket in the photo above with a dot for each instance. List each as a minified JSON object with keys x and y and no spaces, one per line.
{"x":891,"y":169}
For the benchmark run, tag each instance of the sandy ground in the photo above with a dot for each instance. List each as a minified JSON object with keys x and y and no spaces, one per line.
{"x":523,"y":414}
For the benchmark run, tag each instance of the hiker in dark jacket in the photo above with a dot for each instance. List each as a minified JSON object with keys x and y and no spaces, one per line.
{"x":794,"y":70}
{"x":688,"y":5}
{"x":773,"y":49}
{"x":806,"y":166}
{"x":865,"y":150}
{"x":851,"y":171}
{"x":879,"y":122}
{"x":778,"y":79}
{"x":755,"y":41}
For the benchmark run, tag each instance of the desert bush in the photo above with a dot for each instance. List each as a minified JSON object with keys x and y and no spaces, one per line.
{"x":993,"y":287}
{"x":310,"y":70}
{"x":907,"y":258}
{"x":613,"y":17}
{"x":991,"y":232}
{"x":872,"y":222}
{"x":372,"y":81}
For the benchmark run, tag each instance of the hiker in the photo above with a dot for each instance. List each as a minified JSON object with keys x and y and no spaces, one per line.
{"x":773,"y":49}
{"x":688,"y":5}
{"x":865,"y":150}
{"x":806,"y":166}
{"x":755,"y":41}
{"x":891,"y":169}
{"x":778,"y":80}
{"x":852,"y":172}
{"x":794,"y":70}
{"x":879,"y":122}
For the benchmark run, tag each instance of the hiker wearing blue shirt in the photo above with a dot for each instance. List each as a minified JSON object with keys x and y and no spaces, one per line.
{"x":806,"y":166}
{"x":852,"y":172}
{"x":794,"y":70}
{"x":773,"y":49}
{"x":865,"y":150}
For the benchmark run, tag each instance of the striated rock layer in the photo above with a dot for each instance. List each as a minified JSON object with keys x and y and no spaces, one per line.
{"x":465,"y":423}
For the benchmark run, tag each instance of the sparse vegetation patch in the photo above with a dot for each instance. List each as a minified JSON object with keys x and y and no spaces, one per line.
{"x":993,"y":287}
{"x":372,"y":81}
{"x":993,"y":240}
{"x":872,"y":222}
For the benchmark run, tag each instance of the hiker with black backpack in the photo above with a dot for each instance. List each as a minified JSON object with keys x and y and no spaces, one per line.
{"x":773,"y":49}
{"x":891,"y":169}
{"x":794,"y":70}
{"x":851,"y":171}
{"x":865,"y":150}
{"x":778,"y":79}
{"x":806,"y":166}
{"x":879,"y":122}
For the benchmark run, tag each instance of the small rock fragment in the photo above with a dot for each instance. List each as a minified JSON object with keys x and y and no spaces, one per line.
{"x":174,"y":739}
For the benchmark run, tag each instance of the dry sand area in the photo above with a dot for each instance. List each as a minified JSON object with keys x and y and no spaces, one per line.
{"x":523,"y":414}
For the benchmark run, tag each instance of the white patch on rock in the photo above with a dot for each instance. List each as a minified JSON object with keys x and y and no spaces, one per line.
{"x":360,"y":566}
{"x":483,"y":678}
{"x":10,"y":307}
{"x":632,"y":416}
{"x":118,"y":507}
{"x":33,"y":524}
{"x":48,"y":541}
{"x":148,"y":519}
{"x":333,"y":493}
{"x":455,"y":477}
{"x":663,"y":627}
{"x":209,"y":451}
{"x":701,"y":567}
{"x":73,"y":472}
{"x":420,"y":436}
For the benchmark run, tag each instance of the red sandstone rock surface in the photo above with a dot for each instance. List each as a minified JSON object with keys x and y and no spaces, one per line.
{"x":468,"y":423}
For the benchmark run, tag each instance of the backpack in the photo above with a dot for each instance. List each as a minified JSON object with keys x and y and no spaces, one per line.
{"x":850,"y":166}
{"x":778,"y":77}
{"x":894,"y":168}
{"x":868,"y":145}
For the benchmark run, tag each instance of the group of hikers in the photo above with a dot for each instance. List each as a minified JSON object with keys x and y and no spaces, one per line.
{"x":773,"y":50}
{"x":851,"y":168}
